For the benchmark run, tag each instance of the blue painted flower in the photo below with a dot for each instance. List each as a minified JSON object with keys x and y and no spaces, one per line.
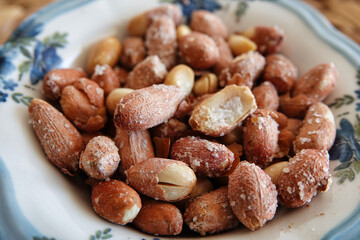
{"x":9,"y":85}
{"x":29,"y":28}
{"x":357,"y":108}
{"x":3,"y":96}
{"x":45,"y":59}
{"x":188,"y":6}
{"x":346,"y":146}
{"x":357,"y":92}
{"x":6,"y":66}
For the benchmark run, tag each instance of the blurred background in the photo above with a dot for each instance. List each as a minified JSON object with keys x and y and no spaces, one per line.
{"x":343,"y":14}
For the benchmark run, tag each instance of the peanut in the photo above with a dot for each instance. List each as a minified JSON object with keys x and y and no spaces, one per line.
{"x":114,"y":97}
{"x":206,"y":22}
{"x":181,"y":31}
{"x":107,"y":79}
{"x":181,"y":76}
{"x":208,"y":83}
{"x":240,"y":44}
{"x":133,"y":52}
{"x":274,"y":170}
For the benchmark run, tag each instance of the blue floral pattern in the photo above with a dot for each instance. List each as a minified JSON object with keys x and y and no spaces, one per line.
{"x":40,"y":57}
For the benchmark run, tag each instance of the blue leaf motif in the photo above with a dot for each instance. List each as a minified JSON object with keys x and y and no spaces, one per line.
{"x":45,"y":59}
{"x":3,"y":96}
{"x":9,"y":85}
{"x":6,"y":66}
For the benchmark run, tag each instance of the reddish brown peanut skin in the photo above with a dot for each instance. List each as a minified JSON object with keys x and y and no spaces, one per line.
{"x":106,"y":78}
{"x":147,"y":107}
{"x":210,"y":213}
{"x":281,"y":72}
{"x":260,"y":138}
{"x":60,"y":140}
{"x":146,"y":73}
{"x":225,"y":55}
{"x":206,"y":158}
{"x":100,"y":159}
{"x":198,"y":50}
{"x":306,"y":175}
{"x":268,"y":39}
{"x":161,"y":40}
{"x":115,"y":201}
{"x":266,"y":96}
{"x":170,"y":10}
{"x":173,"y":129}
{"x":159,"y":218}
{"x":134,"y":147}
{"x":318,"y":130}
{"x":244,"y":71}
{"x":55,"y":81}
{"x":133,"y":52}
{"x":206,"y":22}
{"x":83,"y":103}
{"x":295,"y":107}
{"x":317,"y":83}
{"x":252,"y":195}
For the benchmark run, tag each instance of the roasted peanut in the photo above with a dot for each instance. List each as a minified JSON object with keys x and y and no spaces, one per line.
{"x":225,"y":55}
{"x":121,"y":74}
{"x":115,"y":201}
{"x":220,"y":113}
{"x":252,"y":195}
{"x":107,"y":79}
{"x":295,"y":107}
{"x":318,"y":130}
{"x":173,"y":129}
{"x":55,"y":81}
{"x":162,"y":179}
{"x":274,"y":170}
{"x":266,"y":96}
{"x":107,"y":51}
{"x":240,"y":44}
{"x":100,"y":159}
{"x":114,"y":97}
{"x":206,"y":22}
{"x":133,"y":52}
{"x":181,"y":76}
{"x":208,"y":83}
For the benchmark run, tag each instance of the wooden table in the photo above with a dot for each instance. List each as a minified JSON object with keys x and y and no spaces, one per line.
{"x":344,"y":14}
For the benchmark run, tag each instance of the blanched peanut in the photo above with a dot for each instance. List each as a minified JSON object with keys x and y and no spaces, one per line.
{"x":240,"y":44}
{"x":208,"y":83}
{"x":107,"y":51}
{"x":114,"y":97}
{"x":182,"y":30}
{"x":274,"y":171}
{"x":181,"y":76}
{"x":138,"y":25}
{"x":266,"y":96}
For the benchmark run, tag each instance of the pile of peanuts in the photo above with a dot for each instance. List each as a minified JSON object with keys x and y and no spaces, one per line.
{"x":190,"y":124}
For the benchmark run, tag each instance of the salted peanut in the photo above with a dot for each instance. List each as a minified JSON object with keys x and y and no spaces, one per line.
{"x":244,"y":70}
{"x":107,"y":79}
{"x":306,"y":175}
{"x":160,"y":40}
{"x":121,"y":74}
{"x":139,"y":24}
{"x":185,"y":107}
{"x":55,"y":81}
{"x":252,"y":195}
{"x":295,"y":107}
{"x":280,"y":118}
{"x":210,"y":213}
{"x":274,"y":170}
{"x":162,"y":179}
{"x":208,"y":83}
{"x":294,"y":125}
{"x":317,"y":83}
{"x":114,"y":97}
{"x":266,"y":96}
{"x":133,"y":52}
{"x":162,"y":146}
{"x":207,"y":22}
{"x":240,"y":44}
{"x":83,"y":103}
{"x":115,"y":201}
{"x":198,"y":50}
{"x":260,"y":138}
{"x":146,"y":73}
{"x":195,"y":101}
{"x":136,"y":112}
{"x":159,"y":218}
{"x":225,"y":55}
{"x":107,"y":51}
{"x":182,"y":30}
{"x":60,"y":140}
{"x":173,"y":129}
{"x":134,"y":147}
{"x":318,"y":130}
{"x":100,"y":159}
{"x":87,"y":136}
{"x":268,"y":39}
{"x":206,"y":158}
{"x":222,"y":112}
{"x":280,"y":71}
{"x":181,"y":76}
{"x":285,"y":143}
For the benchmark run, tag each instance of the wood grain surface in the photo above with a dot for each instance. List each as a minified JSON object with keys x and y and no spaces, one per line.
{"x":343,"y":14}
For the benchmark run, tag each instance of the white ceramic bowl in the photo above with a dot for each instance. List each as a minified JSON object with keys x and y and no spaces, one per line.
{"x":38,"y":202}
